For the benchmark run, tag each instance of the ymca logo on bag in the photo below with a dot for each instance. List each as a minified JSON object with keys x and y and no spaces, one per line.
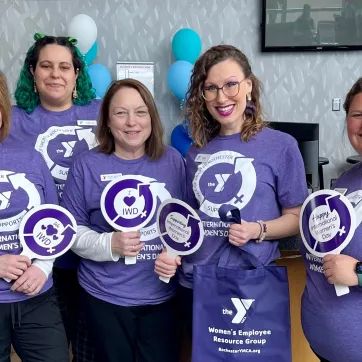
{"x":241,"y":306}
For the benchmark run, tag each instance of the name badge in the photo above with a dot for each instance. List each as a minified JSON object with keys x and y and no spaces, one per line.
{"x":110,"y":177}
{"x":201,"y":157}
{"x":88,"y":122}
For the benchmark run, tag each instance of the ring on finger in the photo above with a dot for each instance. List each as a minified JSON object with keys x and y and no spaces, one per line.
{"x":133,"y":248}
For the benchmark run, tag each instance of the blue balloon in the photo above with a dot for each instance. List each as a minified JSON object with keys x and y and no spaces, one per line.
{"x":186,"y":45}
{"x":100,"y":77}
{"x":178,"y":78}
{"x":91,"y":54}
{"x":180,"y":140}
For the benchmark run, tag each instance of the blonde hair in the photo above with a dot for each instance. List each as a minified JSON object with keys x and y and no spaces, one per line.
{"x":5,"y":108}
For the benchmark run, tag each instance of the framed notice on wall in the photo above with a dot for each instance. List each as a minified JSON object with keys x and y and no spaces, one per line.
{"x":142,"y":71}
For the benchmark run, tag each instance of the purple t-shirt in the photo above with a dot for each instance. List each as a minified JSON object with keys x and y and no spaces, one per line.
{"x":25,"y":182}
{"x":59,"y":137}
{"x":259,"y":177}
{"x":115,"y":282}
{"x":330,"y":323}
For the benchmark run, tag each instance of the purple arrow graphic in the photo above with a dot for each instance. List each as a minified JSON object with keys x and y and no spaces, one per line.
{"x":192,"y":222}
{"x":45,"y":213}
{"x":334,"y":203}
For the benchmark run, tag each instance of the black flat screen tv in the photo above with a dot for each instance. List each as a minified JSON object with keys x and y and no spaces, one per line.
{"x":316,"y":25}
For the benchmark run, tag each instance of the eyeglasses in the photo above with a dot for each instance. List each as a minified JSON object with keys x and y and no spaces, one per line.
{"x":230,"y":89}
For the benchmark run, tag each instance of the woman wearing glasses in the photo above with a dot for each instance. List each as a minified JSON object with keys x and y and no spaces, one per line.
{"x":236,"y":160}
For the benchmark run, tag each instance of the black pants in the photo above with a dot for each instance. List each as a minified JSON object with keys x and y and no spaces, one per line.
{"x":68,"y":293}
{"x":149,"y":333}
{"x":34,"y":327}
{"x":186,"y":298}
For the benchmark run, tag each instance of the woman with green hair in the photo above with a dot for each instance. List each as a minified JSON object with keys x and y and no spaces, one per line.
{"x":56,"y":114}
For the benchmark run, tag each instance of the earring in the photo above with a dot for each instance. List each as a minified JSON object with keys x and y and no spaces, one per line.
{"x":75,"y":93}
{"x":250,"y":109}
{"x":35,"y":89}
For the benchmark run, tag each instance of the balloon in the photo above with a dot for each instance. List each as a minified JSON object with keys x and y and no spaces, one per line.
{"x":100,"y":77}
{"x":180,"y":140}
{"x":186,"y":45}
{"x":84,"y":29}
{"x":178,"y":78}
{"x":91,"y":54}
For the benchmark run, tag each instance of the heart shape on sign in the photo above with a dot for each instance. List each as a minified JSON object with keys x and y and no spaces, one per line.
{"x":129,"y":200}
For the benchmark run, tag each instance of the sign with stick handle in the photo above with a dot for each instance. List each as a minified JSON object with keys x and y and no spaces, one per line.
{"x":327,"y":224}
{"x":180,"y":229}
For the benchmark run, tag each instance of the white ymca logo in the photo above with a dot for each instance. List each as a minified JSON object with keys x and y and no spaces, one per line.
{"x":221,"y":181}
{"x":68,"y":148}
{"x":242,"y":306}
{"x":5,"y":199}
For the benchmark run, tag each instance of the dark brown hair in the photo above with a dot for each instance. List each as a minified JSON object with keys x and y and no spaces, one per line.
{"x":356,"y":89}
{"x":202,"y":125}
{"x":5,"y":108}
{"x":154,"y":147}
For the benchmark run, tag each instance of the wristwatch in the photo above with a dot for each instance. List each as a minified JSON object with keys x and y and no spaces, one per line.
{"x":358,"y":271}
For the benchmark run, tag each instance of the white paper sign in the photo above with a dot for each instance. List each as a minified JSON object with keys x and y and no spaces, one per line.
{"x":142,"y":71}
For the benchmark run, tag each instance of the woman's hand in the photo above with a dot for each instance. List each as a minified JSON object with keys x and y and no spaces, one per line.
{"x":340,"y":269}
{"x":240,"y":234}
{"x":165,"y":266}
{"x":30,"y":282}
{"x":13,"y":266}
{"x":126,"y":243}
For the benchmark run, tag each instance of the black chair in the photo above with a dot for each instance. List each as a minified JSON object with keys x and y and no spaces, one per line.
{"x":310,"y":154}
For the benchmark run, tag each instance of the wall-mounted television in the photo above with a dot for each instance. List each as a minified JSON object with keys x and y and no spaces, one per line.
{"x":294,"y":25}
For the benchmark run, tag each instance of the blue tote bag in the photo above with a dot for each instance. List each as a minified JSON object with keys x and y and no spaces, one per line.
{"x":241,"y":315}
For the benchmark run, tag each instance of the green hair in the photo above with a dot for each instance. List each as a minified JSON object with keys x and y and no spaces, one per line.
{"x":25,"y":96}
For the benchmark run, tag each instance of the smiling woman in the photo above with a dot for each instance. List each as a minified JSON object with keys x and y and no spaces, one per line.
{"x":56,"y":114}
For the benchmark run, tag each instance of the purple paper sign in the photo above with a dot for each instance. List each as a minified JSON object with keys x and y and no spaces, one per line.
{"x":327,"y":222}
{"x":127,"y":203}
{"x":47,"y":231}
{"x":180,"y":228}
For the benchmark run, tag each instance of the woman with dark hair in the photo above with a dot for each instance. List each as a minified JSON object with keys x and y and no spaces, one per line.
{"x":56,"y":114}
{"x":238,"y":161}
{"x":29,"y":315}
{"x":131,"y":312}
{"x":330,"y":323}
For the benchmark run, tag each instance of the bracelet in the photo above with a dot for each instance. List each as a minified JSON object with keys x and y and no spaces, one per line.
{"x":263,"y":230}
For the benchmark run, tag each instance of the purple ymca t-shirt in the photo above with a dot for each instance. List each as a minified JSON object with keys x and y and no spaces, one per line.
{"x":59,"y":137}
{"x":330,"y":323}
{"x":25,"y":182}
{"x":259,"y":177}
{"x":116,"y":282}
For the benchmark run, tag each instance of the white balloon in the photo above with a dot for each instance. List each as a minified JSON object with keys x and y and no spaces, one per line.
{"x":84,"y":29}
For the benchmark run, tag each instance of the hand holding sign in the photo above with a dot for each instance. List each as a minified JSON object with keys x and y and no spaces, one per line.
{"x":46,"y":232}
{"x":327,"y":224}
{"x":180,"y":229}
{"x":128,"y":204}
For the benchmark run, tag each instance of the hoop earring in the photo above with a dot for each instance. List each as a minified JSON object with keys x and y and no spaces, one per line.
{"x":75,"y":93}
{"x":250,"y":109}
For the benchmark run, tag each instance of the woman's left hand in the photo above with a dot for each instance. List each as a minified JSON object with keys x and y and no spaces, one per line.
{"x":240,"y":234}
{"x":30,"y":282}
{"x":340,"y":269}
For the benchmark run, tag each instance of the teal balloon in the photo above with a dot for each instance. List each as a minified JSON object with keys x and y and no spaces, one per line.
{"x":178,"y":78}
{"x":100,"y":77}
{"x":91,"y":54}
{"x":186,"y":45}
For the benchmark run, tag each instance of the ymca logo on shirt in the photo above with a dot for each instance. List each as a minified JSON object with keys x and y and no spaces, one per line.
{"x":17,"y":196}
{"x":227,"y":177}
{"x":58,"y":145}
{"x":241,"y":306}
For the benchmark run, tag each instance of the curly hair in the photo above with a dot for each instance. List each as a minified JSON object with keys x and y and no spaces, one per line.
{"x":202,"y":125}
{"x":25,"y":96}
{"x":356,"y":89}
